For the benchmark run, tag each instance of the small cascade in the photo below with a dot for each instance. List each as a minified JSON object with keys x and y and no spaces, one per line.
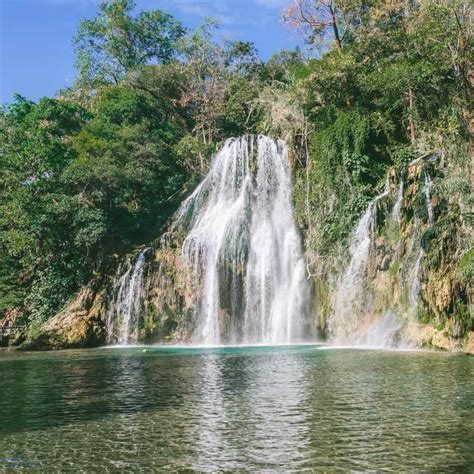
{"x":383,"y":333}
{"x":243,"y":249}
{"x":125,"y":309}
{"x":349,"y":294}
{"x":375,"y":300}
{"x":396,"y":208}
{"x":429,"y":204}
{"x":415,"y":278}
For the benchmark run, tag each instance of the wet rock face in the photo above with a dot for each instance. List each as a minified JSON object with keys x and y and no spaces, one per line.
{"x":469,"y":346}
{"x":12,"y":327}
{"x":413,"y":264}
{"x":170,"y":299}
{"x":80,"y":324}
{"x":385,"y":263}
{"x":432,"y":225}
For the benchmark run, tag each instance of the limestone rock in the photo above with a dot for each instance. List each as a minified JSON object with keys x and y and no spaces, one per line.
{"x":80,"y":324}
{"x":469,"y":346}
{"x":385,"y":263}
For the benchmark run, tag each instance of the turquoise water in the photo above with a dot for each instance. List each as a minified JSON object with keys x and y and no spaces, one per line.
{"x":261,"y":408}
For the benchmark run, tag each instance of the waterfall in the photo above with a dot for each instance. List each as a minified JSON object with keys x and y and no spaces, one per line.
{"x":349,"y":294}
{"x":383,"y":333}
{"x":415,"y":279}
{"x":243,"y":250}
{"x":396,"y":208}
{"x":124,"y":311}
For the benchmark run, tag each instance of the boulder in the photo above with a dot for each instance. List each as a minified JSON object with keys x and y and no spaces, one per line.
{"x":80,"y":324}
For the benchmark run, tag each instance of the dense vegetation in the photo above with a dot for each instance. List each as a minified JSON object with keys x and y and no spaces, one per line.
{"x":98,"y":170}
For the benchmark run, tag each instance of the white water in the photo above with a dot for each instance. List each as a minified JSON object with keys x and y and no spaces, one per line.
{"x":243,"y":248}
{"x":382,"y":333}
{"x":396,"y":208}
{"x":124,"y":311}
{"x":415,"y":278}
{"x":349,"y":294}
{"x":352,"y":323}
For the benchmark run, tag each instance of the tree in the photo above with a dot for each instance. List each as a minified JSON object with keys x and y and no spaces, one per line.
{"x":78,"y":186}
{"x":445,"y":34}
{"x":114,"y":42}
{"x":415,"y":61}
{"x":36,"y":211}
{"x":319,"y":20}
{"x":210,"y":68}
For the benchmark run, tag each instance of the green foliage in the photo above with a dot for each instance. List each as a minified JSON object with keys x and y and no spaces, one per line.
{"x":80,"y":186}
{"x":11,"y":292}
{"x":193,"y":153}
{"x":462,"y":320}
{"x":395,"y":267}
{"x":423,"y":315}
{"x":222,"y":80}
{"x":347,"y":150}
{"x":96,"y":172}
{"x":50,"y":290}
{"x":285,"y":67}
{"x":237,"y":114}
{"x":402,"y":155}
{"x":466,"y":267}
{"x":348,"y":163}
{"x":114,"y":43}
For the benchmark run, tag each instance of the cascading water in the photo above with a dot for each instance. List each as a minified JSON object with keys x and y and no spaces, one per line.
{"x":375,"y":301}
{"x":243,"y":249}
{"x":415,"y":284}
{"x":382,"y":333}
{"x":124,"y":311}
{"x":429,"y":204}
{"x":415,"y":278}
{"x":397,"y":206}
{"x":349,"y":294}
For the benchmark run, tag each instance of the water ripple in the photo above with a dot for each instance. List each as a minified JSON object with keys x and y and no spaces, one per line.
{"x":264,"y":409}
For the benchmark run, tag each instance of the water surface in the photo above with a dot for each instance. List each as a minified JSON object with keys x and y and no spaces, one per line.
{"x":258,"y":408}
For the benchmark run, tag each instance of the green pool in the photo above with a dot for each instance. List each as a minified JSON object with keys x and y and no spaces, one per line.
{"x":255,"y":408}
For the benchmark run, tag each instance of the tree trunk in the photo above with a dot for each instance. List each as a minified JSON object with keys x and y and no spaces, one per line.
{"x":337,"y":37}
{"x":410,"y":108}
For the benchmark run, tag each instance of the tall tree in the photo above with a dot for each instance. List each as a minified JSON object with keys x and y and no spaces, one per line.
{"x":210,"y":67}
{"x":115,"y":42}
{"x":323,"y":20}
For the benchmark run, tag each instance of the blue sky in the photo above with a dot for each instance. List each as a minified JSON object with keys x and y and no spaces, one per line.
{"x":36,"y":53}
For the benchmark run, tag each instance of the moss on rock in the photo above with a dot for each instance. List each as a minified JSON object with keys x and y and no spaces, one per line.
{"x":80,"y":324}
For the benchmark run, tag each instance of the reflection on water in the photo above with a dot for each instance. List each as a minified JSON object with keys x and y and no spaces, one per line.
{"x":239,"y":408}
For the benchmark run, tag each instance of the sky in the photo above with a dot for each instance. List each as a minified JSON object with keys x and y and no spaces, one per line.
{"x":36,"y":52}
